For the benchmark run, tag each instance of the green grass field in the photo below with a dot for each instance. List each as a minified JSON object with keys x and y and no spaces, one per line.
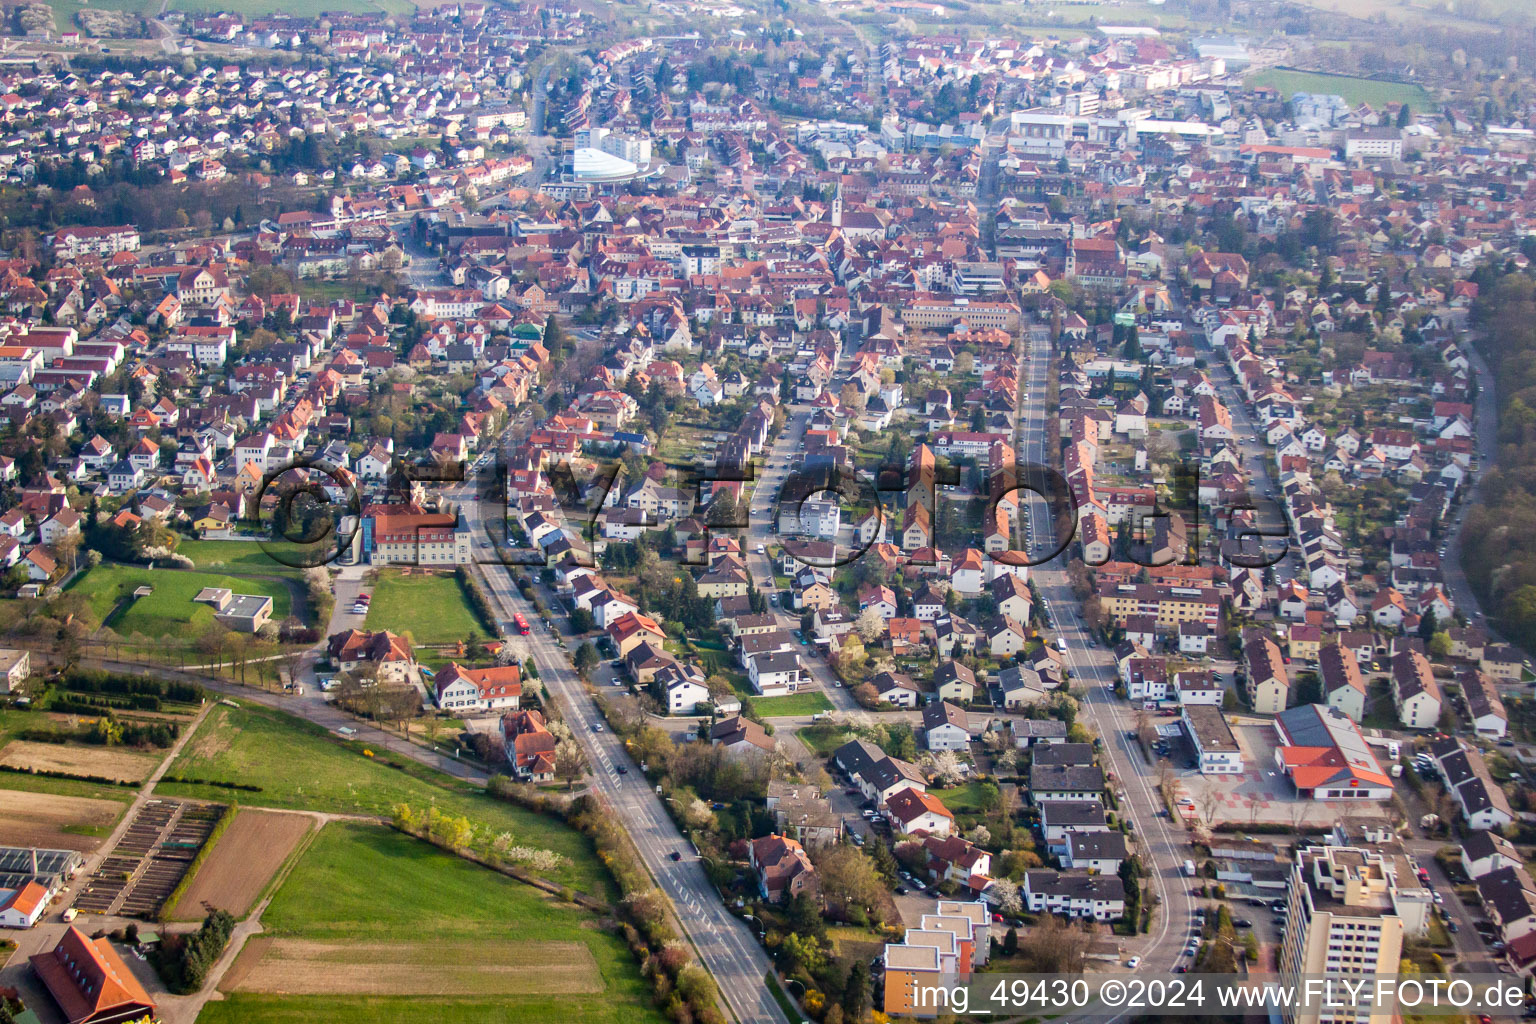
{"x":300,"y":765}
{"x":64,"y":11}
{"x":243,"y":555}
{"x":822,"y":741}
{"x":432,"y":608}
{"x":1354,"y":90}
{"x":364,"y":884}
{"x":298,"y":8}
{"x":169,"y":611}
{"x":809,"y":703}
{"x":964,"y":799}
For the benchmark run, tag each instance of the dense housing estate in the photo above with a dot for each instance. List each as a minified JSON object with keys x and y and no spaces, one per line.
{"x":712,"y":367}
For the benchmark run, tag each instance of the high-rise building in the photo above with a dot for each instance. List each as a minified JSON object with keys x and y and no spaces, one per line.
{"x":948,"y":945}
{"x":1343,"y":919}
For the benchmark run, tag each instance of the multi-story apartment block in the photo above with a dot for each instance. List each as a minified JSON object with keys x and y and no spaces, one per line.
{"x":1344,"y":919}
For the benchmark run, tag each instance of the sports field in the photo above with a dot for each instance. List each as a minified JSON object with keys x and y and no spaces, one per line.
{"x":1354,"y":90}
{"x":370,"y":921}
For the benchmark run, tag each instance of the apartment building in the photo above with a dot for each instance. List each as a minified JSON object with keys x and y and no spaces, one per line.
{"x":951,"y":942}
{"x":1343,"y":920}
{"x":1415,"y":693}
{"x":1268,"y":682}
{"x":1170,"y":606}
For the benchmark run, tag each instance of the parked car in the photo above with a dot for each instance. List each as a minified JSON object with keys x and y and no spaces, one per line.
{"x":676,"y":856}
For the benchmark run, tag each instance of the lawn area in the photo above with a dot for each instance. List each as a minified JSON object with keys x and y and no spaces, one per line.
{"x":964,"y":799}
{"x":822,"y":739}
{"x":169,"y":610}
{"x":300,"y":765}
{"x":1354,"y":90}
{"x":433,"y":918}
{"x":809,"y":703}
{"x":432,"y":608}
{"x":245,"y":555}
{"x":855,"y":943}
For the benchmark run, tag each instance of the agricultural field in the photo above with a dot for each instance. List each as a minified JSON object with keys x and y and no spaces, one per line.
{"x":169,"y":611}
{"x":242,"y":862}
{"x":431,"y":607}
{"x":79,"y":759}
{"x":1354,"y":90}
{"x":301,"y":766}
{"x":811,"y":702}
{"x":56,"y":822}
{"x":371,"y":920}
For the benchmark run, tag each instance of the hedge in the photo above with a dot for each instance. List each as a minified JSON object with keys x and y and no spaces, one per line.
{"x":227,"y":816}
{"x":46,"y":773}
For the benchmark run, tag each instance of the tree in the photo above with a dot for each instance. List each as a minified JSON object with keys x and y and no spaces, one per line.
{"x":67,"y":548}
{"x":582,"y":620}
{"x":1010,"y":941}
{"x":849,"y":879}
{"x":569,"y":764}
{"x":944,"y":767}
{"x":1209,"y":802}
{"x":585,"y":659}
{"x":1056,"y":947}
{"x":1006,"y":892}
{"x":870,"y":625}
{"x":856,"y":994}
{"x":805,"y":917}
{"x":554,"y":336}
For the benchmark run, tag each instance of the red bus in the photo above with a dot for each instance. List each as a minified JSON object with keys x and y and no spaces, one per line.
{"x":521,"y":623}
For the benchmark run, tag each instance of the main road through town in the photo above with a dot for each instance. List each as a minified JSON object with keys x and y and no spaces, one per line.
{"x":1160,"y":844}
{"x":725,"y":943}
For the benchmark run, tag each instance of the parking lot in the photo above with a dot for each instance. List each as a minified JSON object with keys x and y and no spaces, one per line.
{"x":1260,"y":793}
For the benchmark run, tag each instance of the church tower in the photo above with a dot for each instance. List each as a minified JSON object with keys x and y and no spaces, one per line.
{"x":837,"y":207}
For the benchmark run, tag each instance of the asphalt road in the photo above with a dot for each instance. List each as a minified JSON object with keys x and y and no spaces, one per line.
{"x":775,"y":464}
{"x":1485,"y":427}
{"x":726,"y":946}
{"x":1160,"y":844}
